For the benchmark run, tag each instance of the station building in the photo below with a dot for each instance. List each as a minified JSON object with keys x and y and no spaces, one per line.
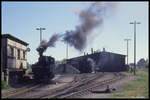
{"x":13,"y":56}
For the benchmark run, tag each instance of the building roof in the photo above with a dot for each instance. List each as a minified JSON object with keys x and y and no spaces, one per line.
{"x":14,"y":39}
{"x":95,"y":53}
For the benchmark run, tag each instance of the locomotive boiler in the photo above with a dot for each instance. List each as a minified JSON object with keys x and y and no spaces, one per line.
{"x":43,"y":70}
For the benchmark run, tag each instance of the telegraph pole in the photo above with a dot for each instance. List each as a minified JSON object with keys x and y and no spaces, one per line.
{"x":134,"y":23}
{"x":127,"y":48}
{"x":67,"y":51}
{"x":40,"y":32}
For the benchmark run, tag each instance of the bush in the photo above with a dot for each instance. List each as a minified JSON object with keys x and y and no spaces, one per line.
{"x":4,"y":85}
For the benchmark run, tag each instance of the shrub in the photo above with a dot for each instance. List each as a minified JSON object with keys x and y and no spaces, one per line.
{"x":4,"y":85}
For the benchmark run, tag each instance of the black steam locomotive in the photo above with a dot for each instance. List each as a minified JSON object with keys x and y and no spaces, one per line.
{"x":43,"y":70}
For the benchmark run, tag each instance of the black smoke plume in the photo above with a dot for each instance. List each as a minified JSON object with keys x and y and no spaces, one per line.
{"x":90,"y":19}
{"x":44,"y":44}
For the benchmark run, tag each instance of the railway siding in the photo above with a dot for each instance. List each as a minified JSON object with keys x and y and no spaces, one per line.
{"x":88,"y":88}
{"x":81,"y":84}
{"x":19,"y":91}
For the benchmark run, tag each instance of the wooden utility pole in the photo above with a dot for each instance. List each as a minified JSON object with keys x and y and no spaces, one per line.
{"x":40,"y":32}
{"x":127,"y":49}
{"x":134,"y":23}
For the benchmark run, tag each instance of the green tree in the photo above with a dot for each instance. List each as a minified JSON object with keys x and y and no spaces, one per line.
{"x":4,"y":85}
{"x":147,"y":63}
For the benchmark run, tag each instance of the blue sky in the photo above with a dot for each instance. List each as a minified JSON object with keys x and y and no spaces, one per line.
{"x":21,"y":19}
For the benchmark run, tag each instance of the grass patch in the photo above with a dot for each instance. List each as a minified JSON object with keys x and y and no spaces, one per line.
{"x":138,"y":88}
{"x":4,"y":85}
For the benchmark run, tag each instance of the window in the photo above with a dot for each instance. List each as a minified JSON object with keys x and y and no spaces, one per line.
{"x":11,"y":51}
{"x":24,"y":54}
{"x":18,"y":53}
{"x":21,"y":66}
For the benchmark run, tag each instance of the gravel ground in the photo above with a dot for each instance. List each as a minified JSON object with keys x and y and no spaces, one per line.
{"x":117,"y":85}
{"x":60,"y":80}
{"x":6,"y":90}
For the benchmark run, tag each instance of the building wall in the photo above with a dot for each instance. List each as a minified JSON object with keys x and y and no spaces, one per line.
{"x":9,"y":57}
{"x":112,"y":62}
{"x":105,"y":61}
{"x":69,"y":69}
{"x":4,"y":53}
{"x":14,"y":61}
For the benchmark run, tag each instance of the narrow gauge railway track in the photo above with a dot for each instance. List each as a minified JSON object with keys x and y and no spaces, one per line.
{"x":32,"y":87}
{"x":83,"y":88}
{"x":87,"y":89}
{"x":90,"y":84}
{"x":56,"y":92}
{"x":21,"y":90}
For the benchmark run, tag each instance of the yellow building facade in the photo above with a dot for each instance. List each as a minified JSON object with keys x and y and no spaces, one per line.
{"x":14,"y":52}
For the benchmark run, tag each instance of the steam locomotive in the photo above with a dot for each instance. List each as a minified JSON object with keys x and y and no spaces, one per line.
{"x":43,"y":70}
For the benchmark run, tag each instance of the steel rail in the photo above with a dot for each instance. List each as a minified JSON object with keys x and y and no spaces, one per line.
{"x":86,"y":90}
{"x":71,"y":87}
{"x":20,"y":91}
